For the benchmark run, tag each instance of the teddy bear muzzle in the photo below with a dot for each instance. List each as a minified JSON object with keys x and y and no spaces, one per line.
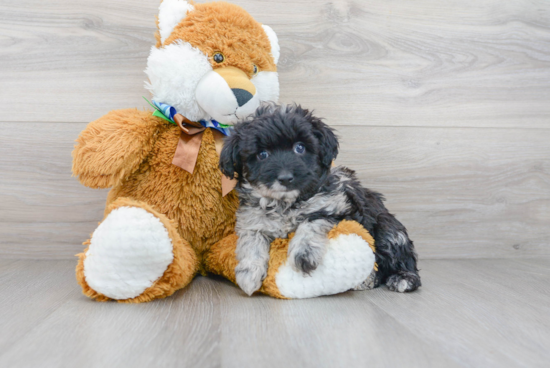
{"x":227,"y":94}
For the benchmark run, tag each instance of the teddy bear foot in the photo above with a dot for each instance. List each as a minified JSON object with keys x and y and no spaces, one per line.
{"x":348,"y":262}
{"x":128,"y":252}
{"x":135,"y":256}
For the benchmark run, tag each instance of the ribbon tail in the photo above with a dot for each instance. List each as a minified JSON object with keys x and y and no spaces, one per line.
{"x":228,"y":184}
{"x":188,"y":147}
{"x":187,"y":151}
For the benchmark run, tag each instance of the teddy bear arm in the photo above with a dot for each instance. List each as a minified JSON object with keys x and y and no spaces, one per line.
{"x":112,"y":147}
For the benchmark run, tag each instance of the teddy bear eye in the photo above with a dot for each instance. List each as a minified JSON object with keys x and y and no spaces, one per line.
{"x":218,"y":57}
{"x":255,"y":69}
{"x":263,"y":155}
{"x":299,"y":148}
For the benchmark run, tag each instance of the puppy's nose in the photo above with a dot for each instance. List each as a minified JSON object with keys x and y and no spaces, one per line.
{"x":285,"y":178}
{"x":243,"y":96}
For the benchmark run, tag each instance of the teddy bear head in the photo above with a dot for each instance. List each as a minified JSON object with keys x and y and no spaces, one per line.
{"x":212,"y":61}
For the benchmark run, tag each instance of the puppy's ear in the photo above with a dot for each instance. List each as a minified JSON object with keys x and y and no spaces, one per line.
{"x":230,"y":159}
{"x":328,"y":143}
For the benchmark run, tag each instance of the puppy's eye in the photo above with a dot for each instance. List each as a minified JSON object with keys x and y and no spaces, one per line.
{"x":255,"y":69}
{"x":218,"y":57}
{"x":263,"y":155}
{"x":299,"y":148}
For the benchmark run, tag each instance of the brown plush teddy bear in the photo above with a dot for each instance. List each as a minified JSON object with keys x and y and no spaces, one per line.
{"x":170,"y":213}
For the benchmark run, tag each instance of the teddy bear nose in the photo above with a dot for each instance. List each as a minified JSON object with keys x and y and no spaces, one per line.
{"x":242,"y":96}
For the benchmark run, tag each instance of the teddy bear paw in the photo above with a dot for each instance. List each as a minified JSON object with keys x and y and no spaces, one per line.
{"x":128,"y":252}
{"x":348,"y":262}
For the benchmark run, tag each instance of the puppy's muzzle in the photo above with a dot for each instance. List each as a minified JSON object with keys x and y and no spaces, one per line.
{"x":285,"y":178}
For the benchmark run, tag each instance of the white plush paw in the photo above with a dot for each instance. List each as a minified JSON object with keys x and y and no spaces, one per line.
{"x":249,"y":275}
{"x":348,"y":262}
{"x":128,"y":252}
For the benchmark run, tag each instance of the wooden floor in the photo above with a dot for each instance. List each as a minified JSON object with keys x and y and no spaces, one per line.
{"x":469,"y":313}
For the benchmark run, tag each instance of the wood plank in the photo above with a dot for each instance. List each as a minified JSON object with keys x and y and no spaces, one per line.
{"x":508,"y":278}
{"x":6,"y":263}
{"x":427,"y":63}
{"x":212,"y":324}
{"x":30,"y":292}
{"x":477,"y":311}
{"x":182,"y":330}
{"x":462,"y":192}
{"x":45,"y":240}
{"x":44,"y":212}
{"x":481,"y":313}
{"x":336,"y":331}
{"x":535,"y":263}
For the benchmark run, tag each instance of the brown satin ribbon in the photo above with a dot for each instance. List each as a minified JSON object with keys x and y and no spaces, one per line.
{"x":188,"y":147}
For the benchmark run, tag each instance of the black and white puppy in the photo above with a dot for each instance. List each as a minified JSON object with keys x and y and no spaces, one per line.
{"x":282,"y":156}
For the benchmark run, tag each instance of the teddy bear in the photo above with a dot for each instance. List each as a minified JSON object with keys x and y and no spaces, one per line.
{"x":170,"y":213}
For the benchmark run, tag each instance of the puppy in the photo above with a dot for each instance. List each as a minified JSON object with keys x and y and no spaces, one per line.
{"x":282,"y":157}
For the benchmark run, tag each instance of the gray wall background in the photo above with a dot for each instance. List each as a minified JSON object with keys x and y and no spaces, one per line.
{"x":444,"y":106}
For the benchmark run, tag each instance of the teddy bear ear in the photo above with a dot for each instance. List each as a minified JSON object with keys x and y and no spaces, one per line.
{"x":275,"y":50}
{"x":171,"y":13}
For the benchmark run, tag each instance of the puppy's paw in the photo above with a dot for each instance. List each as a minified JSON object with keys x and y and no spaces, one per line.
{"x":403,"y":282}
{"x":249,"y":276}
{"x":305,"y":259}
{"x":368,"y":284}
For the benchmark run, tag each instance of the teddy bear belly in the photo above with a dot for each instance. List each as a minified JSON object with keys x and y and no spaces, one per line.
{"x":193,"y":201}
{"x":202,"y":216}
